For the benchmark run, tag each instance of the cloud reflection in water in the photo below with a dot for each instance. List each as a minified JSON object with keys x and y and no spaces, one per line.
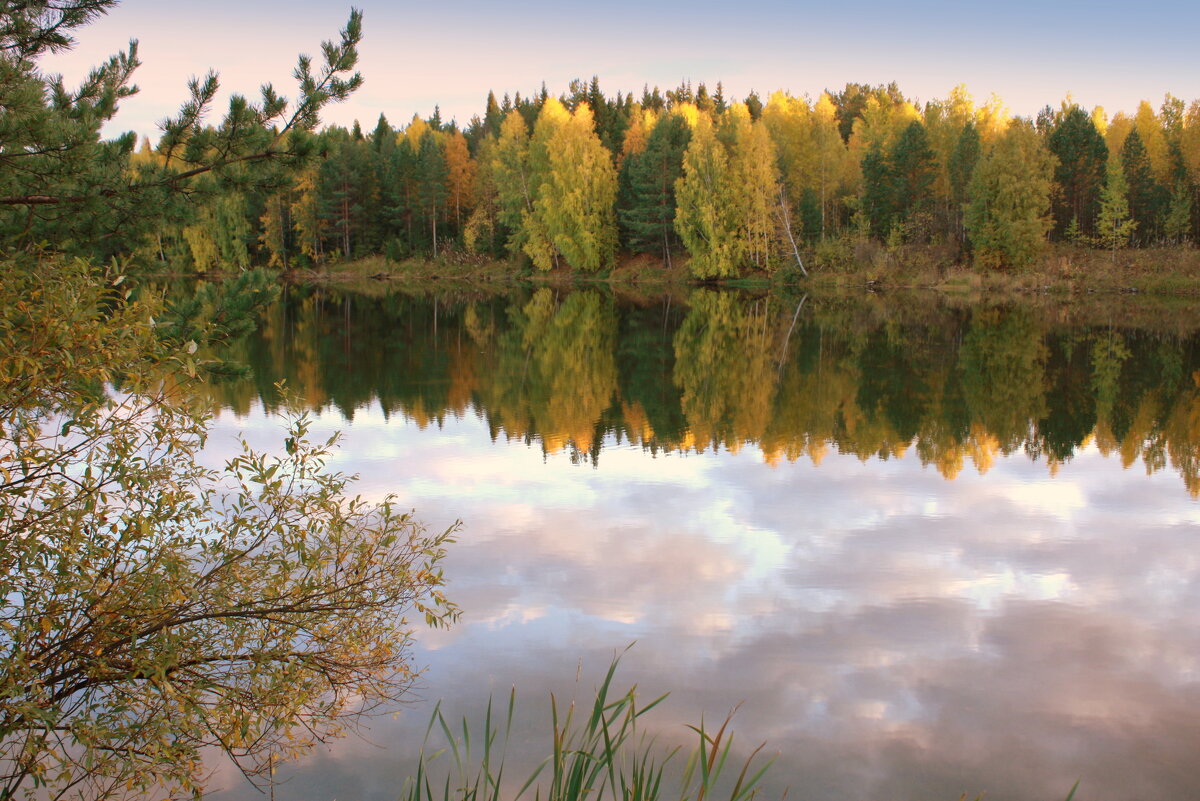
{"x":891,"y":634}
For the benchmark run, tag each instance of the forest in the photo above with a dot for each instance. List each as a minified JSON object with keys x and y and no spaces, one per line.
{"x":580,"y":181}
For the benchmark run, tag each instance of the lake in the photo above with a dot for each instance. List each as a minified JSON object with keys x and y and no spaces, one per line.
{"x":931,"y":547}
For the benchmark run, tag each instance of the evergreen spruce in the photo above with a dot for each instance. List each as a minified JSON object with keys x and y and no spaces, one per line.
{"x":962,"y":164}
{"x":912,"y":171}
{"x":431,"y":185}
{"x":648,"y":218}
{"x":1082,"y":155}
{"x":878,"y":198}
{"x":1143,"y":192}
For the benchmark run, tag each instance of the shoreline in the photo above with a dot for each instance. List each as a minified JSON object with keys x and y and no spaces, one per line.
{"x":1063,"y":270}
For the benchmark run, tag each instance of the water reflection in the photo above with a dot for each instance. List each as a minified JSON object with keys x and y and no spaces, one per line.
{"x":762,"y":519}
{"x":727,"y":370}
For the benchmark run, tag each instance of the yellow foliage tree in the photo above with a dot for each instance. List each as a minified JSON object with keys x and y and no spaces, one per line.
{"x":641,"y":123}
{"x":576,"y":201}
{"x":706,"y":216}
{"x":1150,"y":129}
{"x":306,"y":219}
{"x":754,"y":186}
{"x":460,"y":175}
{"x":512,"y":177}
{"x":1190,"y":141}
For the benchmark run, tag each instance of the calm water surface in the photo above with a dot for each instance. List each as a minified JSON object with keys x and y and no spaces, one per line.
{"x":931,"y":549}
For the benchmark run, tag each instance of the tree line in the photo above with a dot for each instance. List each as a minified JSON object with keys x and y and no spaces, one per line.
{"x":575,"y":180}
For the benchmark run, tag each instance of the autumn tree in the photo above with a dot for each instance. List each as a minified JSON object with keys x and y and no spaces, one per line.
{"x":460,"y":176}
{"x":1114,"y":224}
{"x":790,"y":123}
{"x":754,"y":184}
{"x":1009,"y":214}
{"x":575,"y":206}
{"x":514,"y":180}
{"x":833,"y":163}
{"x":706,"y":217}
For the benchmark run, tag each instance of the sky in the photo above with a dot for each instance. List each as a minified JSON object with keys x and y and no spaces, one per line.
{"x":415,"y":56}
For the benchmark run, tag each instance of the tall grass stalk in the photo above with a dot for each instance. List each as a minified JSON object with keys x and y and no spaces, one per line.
{"x":592,"y":758}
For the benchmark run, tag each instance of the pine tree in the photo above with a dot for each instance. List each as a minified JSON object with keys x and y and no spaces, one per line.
{"x":754,"y":105}
{"x":347,"y":192}
{"x":383,"y":138}
{"x":1143,"y":192}
{"x":432,"y":176}
{"x":913,"y":170}
{"x":962,"y":164}
{"x":82,"y":192}
{"x":492,"y":115}
{"x":648,"y":216}
{"x":878,"y":196}
{"x":1082,"y":155}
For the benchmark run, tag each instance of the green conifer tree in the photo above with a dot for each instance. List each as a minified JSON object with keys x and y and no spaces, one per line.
{"x":1082,"y":154}
{"x":648,"y":218}
{"x":913,"y":169}
{"x":431,"y":184}
{"x":1143,"y":191}
{"x":878,"y":197}
{"x":962,"y":164}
